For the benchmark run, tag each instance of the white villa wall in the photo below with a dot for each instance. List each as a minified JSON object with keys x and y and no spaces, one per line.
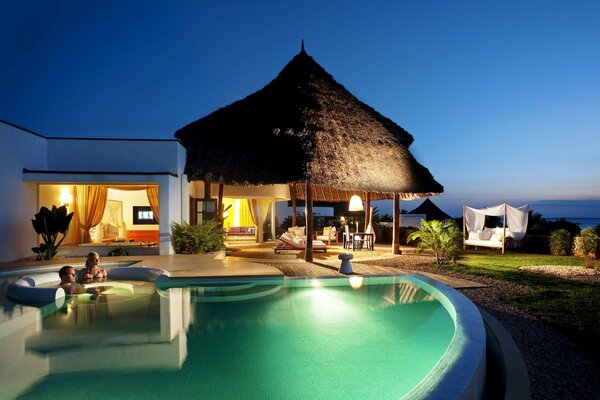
{"x":78,"y":161}
{"x":18,"y":200}
{"x":114,"y":155}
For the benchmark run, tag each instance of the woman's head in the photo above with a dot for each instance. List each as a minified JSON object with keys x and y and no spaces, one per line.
{"x":93,"y":259}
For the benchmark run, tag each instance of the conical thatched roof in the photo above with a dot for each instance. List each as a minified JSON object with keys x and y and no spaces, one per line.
{"x":432,"y":211}
{"x":304,"y":126}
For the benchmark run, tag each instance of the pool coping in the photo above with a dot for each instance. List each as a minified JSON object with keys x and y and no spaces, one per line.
{"x":461,"y":372}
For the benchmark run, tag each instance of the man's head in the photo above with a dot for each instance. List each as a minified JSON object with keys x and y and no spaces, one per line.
{"x":67,"y":274}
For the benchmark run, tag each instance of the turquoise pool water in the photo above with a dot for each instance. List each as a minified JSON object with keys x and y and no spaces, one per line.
{"x":288,"y":339}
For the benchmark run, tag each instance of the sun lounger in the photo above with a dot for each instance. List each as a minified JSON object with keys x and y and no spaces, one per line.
{"x":290,"y":242}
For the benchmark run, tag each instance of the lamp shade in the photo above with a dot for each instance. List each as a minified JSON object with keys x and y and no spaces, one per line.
{"x":355,"y":203}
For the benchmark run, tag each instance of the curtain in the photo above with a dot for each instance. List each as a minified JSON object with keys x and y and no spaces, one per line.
{"x":152,"y":192}
{"x":259,"y":210}
{"x":112,"y":225}
{"x":516,"y":218}
{"x":89,"y":203}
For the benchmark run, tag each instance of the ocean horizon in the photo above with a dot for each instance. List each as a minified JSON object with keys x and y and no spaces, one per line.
{"x":582,"y":212}
{"x":581,"y":222}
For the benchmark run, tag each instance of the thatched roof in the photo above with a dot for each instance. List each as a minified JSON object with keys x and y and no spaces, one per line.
{"x":304,"y":126}
{"x":432,"y":211}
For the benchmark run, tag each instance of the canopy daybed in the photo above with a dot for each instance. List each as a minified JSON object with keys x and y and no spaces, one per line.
{"x":514,"y":226}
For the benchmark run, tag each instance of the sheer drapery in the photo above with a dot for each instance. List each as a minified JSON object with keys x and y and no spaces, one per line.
{"x":89,"y":203}
{"x":516,"y":218}
{"x":259,"y":210}
{"x":237,"y":213}
{"x":152,"y":192}
{"x":112,"y":225}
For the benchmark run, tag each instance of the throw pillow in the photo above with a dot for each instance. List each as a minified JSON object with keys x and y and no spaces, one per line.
{"x":485,"y":234}
{"x":474,"y":235}
{"x":496,"y":238}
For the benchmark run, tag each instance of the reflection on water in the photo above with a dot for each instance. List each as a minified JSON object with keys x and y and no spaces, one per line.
{"x":249,"y":341}
{"x":116,"y":329}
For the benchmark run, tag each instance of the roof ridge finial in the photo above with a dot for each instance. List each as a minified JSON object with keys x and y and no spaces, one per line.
{"x":302,"y":47}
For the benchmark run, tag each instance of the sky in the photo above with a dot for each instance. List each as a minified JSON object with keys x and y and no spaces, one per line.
{"x":502,"y":97}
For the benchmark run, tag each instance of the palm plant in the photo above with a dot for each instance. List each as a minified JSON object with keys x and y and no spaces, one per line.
{"x":192,"y":239}
{"x":49,"y":223}
{"x":441,"y":237}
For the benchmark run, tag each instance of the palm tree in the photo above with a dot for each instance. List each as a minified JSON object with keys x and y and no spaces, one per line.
{"x":441,"y":237}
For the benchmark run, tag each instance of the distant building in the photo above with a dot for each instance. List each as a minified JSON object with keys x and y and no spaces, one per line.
{"x":430,"y":210}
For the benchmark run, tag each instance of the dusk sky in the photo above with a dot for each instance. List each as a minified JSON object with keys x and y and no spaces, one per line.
{"x":502,"y":98}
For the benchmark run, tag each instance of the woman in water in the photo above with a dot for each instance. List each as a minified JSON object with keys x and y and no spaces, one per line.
{"x":92,"y":271}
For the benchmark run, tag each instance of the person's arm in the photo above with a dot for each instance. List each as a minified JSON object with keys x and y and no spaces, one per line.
{"x":84,"y":275}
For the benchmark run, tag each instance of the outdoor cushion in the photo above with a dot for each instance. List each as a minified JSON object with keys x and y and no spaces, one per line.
{"x":486,"y":234}
{"x":475,"y":235}
{"x":496,"y":238}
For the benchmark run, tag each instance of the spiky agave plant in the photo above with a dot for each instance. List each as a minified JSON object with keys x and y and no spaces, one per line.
{"x":49,"y":224}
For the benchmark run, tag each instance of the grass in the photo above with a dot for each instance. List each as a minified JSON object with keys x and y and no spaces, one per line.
{"x":572,"y":308}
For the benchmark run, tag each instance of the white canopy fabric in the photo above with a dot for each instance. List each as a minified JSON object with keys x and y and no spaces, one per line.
{"x":516,"y":218}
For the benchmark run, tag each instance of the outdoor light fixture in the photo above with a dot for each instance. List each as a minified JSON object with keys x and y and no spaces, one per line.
{"x":356,"y":281}
{"x":355,"y":203}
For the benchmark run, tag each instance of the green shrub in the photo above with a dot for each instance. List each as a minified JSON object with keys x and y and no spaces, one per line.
{"x":443,"y":238}
{"x":586,"y":244}
{"x":559,"y":242}
{"x":118,"y":252}
{"x":205,"y":237}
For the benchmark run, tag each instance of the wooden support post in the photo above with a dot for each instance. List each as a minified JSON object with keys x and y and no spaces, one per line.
{"x":504,"y":231}
{"x":308,"y":254}
{"x":367,"y":209}
{"x":220,"y":218}
{"x":207,"y":193}
{"x":464,"y":228}
{"x":396,"y":225}
{"x":293,"y":196}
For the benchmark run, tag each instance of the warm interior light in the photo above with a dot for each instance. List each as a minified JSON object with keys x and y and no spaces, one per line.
{"x":66,"y":198}
{"x":355,"y":203}
{"x":236,"y":212}
{"x":356,"y":281}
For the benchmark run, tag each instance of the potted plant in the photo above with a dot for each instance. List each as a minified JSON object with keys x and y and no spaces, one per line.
{"x":49,"y":224}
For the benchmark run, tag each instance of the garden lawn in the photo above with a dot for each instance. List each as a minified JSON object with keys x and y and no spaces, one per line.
{"x":572,"y":308}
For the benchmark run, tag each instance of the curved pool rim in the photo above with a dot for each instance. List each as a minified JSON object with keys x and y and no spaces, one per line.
{"x":460,"y":372}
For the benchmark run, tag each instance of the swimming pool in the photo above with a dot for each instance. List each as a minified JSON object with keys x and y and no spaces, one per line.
{"x":379,"y":338}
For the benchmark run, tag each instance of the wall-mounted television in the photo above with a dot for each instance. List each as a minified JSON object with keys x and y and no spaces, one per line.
{"x":143,"y":215}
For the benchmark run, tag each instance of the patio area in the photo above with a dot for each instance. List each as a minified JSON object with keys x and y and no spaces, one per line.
{"x":259,"y":260}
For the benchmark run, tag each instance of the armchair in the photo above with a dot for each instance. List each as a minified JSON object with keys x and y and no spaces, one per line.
{"x":329,"y":234}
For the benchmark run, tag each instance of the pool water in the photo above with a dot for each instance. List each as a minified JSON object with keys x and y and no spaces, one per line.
{"x":292,"y":339}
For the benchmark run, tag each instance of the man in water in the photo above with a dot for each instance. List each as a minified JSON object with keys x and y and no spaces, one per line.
{"x":67,"y":281}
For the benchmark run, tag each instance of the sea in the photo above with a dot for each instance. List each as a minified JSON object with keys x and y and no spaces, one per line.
{"x":582,"y":212}
{"x":585,"y":213}
{"x":581,"y":222}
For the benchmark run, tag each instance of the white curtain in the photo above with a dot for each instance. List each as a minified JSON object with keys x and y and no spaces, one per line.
{"x":112,"y":225}
{"x":259,"y":210}
{"x":516,"y":218}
